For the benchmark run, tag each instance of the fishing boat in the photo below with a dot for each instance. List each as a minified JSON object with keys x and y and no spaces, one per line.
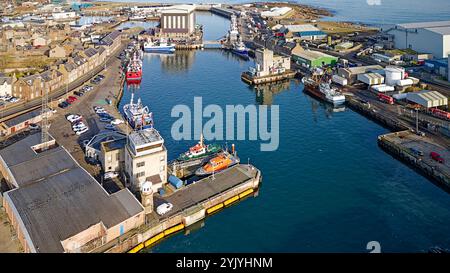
{"x":323,"y":90}
{"x":200,"y":150}
{"x":219,"y":163}
{"x":240,"y":49}
{"x":160,"y":46}
{"x":134,"y":69}
{"x":137,"y":115}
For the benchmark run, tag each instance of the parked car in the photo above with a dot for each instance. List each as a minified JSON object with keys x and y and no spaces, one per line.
{"x":437,"y":157}
{"x":105,"y":119}
{"x":110,"y":127}
{"x":117,"y":121}
{"x":82,"y":131}
{"x":416,"y":151}
{"x":33,"y":126}
{"x":164,"y":208}
{"x":111,"y":175}
{"x":63,"y":105}
{"x":79,"y":93}
{"x":74,"y":118}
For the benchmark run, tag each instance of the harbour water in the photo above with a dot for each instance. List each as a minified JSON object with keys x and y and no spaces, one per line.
{"x":328,"y":188}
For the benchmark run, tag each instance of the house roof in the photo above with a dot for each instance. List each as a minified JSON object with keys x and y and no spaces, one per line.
{"x":8,"y":80}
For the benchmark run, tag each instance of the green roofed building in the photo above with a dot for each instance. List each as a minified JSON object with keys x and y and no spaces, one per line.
{"x":311,"y":58}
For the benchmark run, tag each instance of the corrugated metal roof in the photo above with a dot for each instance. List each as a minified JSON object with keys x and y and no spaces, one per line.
{"x":64,"y":203}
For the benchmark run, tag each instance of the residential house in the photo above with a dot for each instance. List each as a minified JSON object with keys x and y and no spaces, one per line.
{"x":39,"y":41}
{"x":29,"y":87}
{"x":111,"y":42}
{"x":57,"y":52}
{"x":52,"y":80}
{"x":6,"y":86}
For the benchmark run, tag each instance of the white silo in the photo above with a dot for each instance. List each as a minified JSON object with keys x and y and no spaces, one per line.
{"x":394,"y":74}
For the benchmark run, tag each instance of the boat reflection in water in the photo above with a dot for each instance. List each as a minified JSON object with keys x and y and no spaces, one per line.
{"x":264,"y":92}
{"x":179,"y":61}
{"x":330,"y":109}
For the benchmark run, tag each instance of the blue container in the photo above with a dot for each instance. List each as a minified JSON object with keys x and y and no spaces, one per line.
{"x":175,"y":181}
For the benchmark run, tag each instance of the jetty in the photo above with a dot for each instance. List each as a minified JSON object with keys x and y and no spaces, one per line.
{"x":191,"y":204}
{"x":255,"y":80}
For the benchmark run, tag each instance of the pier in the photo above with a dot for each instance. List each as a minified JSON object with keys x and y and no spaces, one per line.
{"x":400,"y":145}
{"x":191,"y":204}
{"x":224,"y":12}
{"x":253,"y":80}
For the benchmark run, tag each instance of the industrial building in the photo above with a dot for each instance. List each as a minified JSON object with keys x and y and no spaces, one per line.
{"x":177,"y":21}
{"x":310,"y":58}
{"x":426,"y":37}
{"x":145,"y":160}
{"x":371,"y":78}
{"x":267,"y":63}
{"x":276,"y":12}
{"x":351,"y":73}
{"x":55,"y":205}
{"x":427,"y":98}
{"x":438,"y":66}
{"x":302,"y":32}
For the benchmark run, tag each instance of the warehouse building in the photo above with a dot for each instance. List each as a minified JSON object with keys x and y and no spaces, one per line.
{"x":302,"y":32}
{"x":427,"y":98}
{"x":177,"y":21}
{"x":55,"y":205}
{"x":371,"y":78}
{"x":426,"y":37}
{"x":351,"y":73}
{"x":21,"y":122}
{"x":310,"y":58}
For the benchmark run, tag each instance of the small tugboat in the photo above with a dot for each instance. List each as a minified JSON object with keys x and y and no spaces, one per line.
{"x":200,"y":150}
{"x":159,"y":47}
{"x":219,"y":163}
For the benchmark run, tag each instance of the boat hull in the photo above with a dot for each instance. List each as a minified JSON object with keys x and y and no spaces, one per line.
{"x":168,"y":49}
{"x":314,"y":90}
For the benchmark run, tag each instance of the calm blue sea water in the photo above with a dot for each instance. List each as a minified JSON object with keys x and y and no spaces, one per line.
{"x":328,"y":188}
{"x":367,"y":11}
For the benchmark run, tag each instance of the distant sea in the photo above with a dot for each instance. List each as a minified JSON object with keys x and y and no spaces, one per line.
{"x":375,"y":12}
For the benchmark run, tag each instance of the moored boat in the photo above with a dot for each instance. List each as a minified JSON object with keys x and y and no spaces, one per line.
{"x":133,"y":72}
{"x":137,"y":115}
{"x":323,"y":91}
{"x":160,"y":46}
{"x":219,"y":163}
{"x":200,"y":150}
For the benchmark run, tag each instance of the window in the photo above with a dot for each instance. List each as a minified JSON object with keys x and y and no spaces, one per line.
{"x":141,"y":174}
{"x":140,"y":164}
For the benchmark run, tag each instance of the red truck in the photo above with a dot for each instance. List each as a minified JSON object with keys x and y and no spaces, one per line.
{"x":385,"y":98}
{"x":437,"y":157}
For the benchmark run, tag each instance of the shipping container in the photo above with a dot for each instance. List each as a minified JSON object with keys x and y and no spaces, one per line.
{"x":175,"y":181}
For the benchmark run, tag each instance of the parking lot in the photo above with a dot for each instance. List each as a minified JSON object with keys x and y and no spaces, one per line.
{"x":61,"y":128}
